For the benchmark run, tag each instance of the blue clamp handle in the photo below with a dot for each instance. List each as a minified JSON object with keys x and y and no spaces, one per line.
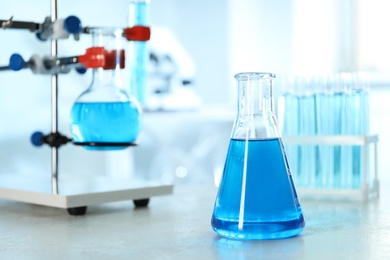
{"x":16,"y":62}
{"x":39,"y":36}
{"x":72,"y":25}
{"x":36,"y":139}
{"x":81,"y":70}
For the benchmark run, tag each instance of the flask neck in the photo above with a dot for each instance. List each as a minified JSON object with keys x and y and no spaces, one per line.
{"x":111,"y":39}
{"x":254,"y":95}
{"x":255,"y":119}
{"x":109,"y":78}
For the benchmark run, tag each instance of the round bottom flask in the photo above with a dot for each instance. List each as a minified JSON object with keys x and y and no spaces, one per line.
{"x":105,"y":117}
{"x":256,"y":197}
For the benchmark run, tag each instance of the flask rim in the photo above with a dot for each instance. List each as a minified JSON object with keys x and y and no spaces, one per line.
{"x":106,"y":31}
{"x":254,"y":75}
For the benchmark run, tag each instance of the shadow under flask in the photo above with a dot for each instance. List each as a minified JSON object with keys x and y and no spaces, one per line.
{"x":105,"y":117}
{"x":257,"y":198}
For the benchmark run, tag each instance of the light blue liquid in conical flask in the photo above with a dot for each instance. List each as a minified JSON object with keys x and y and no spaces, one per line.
{"x":257,"y":198}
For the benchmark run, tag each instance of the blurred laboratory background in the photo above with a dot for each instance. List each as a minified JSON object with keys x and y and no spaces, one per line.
{"x":196,"y":47}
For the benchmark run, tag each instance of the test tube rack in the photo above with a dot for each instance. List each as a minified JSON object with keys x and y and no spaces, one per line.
{"x":369,"y":188}
{"x":75,"y":194}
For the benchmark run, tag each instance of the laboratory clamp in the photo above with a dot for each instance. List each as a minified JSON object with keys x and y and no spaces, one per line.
{"x":103,"y":117}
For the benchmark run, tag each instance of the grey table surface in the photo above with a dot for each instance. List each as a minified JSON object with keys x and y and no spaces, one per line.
{"x":178,"y":227}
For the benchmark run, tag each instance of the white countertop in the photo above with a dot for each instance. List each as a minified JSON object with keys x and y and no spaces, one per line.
{"x":178,"y":227}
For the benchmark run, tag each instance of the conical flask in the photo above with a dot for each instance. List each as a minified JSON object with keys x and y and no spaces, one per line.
{"x":105,"y":116}
{"x":257,"y":198}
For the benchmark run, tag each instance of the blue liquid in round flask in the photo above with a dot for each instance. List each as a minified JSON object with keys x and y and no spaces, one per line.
{"x":105,"y":113}
{"x":257,"y":198}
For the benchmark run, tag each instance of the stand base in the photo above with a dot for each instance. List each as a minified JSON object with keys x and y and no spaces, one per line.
{"x":77,"y":193}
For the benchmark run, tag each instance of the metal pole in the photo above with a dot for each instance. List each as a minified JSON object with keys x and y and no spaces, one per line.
{"x":54,"y":106}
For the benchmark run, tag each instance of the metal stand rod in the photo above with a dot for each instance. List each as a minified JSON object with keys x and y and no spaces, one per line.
{"x":54,"y":106}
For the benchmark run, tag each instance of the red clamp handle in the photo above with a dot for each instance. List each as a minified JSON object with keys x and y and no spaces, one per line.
{"x":137,"y":33}
{"x":98,"y":57}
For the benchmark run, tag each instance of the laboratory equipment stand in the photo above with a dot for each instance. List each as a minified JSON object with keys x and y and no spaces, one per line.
{"x":70,"y":192}
{"x":75,"y":194}
{"x":369,"y":188}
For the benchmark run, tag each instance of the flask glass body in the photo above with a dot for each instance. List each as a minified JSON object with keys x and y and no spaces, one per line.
{"x":105,"y":113}
{"x":257,"y":198}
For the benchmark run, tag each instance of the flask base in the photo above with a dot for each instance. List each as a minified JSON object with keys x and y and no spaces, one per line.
{"x":105,"y":145}
{"x":258,"y":230}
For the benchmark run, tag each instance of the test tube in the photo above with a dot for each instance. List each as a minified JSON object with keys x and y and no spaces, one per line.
{"x":343,"y":153}
{"x":322,"y":85}
{"x":306,"y":126}
{"x":138,"y":53}
{"x":358,"y":102}
{"x":288,"y":119}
